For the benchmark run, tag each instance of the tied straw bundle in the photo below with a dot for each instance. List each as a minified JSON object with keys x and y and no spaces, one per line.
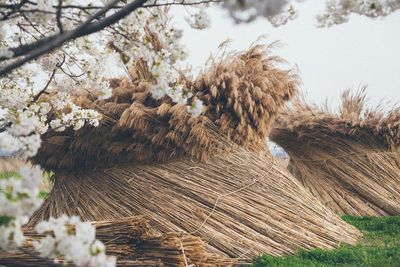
{"x":134,"y":243}
{"x":348,"y":160}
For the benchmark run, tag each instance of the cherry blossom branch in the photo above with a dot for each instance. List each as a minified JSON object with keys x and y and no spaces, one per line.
{"x":172,"y":3}
{"x":58,"y":65}
{"x":80,"y":31}
{"x":45,"y":45}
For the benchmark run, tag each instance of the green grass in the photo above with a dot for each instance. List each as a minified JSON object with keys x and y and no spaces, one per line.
{"x":5,"y":175}
{"x":43,"y":194}
{"x":380,"y":247}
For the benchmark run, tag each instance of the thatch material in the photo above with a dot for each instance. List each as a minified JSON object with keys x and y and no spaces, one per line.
{"x":26,"y":256}
{"x":207,"y":176}
{"x":347,"y":160}
{"x":241,"y":96}
{"x":134,"y":244}
{"x":240,"y":204}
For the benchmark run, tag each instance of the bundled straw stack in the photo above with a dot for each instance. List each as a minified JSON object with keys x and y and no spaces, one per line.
{"x":241,"y":95}
{"x":239,"y":206}
{"x":210,"y":176}
{"x":348,"y":160}
{"x":134,"y":244}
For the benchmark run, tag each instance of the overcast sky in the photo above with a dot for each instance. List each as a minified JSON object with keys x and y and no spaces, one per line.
{"x":361,"y":52}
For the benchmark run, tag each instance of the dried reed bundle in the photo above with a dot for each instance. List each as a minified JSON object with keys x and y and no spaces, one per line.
{"x":134,"y":244}
{"x":241,"y":95}
{"x":25,"y":257}
{"x":347,"y":160}
{"x":191,"y":175}
{"x":175,"y":250}
{"x":239,"y":206}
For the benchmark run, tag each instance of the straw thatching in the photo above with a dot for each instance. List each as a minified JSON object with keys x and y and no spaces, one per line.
{"x":241,"y":96}
{"x":239,"y":206}
{"x":348,"y":160}
{"x":134,"y":244}
{"x":209,"y":176}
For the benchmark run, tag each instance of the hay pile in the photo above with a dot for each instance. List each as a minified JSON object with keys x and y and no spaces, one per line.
{"x":239,"y":205}
{"x":241,"y":95}
{"x":209,"y":176}
{"x":134,"y":244}
{"x":348,"y":160}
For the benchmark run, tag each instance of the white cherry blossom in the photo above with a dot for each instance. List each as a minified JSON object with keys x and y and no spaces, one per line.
{"x":74,"y":240}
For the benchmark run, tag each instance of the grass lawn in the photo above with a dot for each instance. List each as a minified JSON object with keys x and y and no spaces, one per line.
{"x":380,"y":247}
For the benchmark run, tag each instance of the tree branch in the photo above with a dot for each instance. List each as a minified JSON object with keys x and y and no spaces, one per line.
{"x":45,"y":45}
{"x":58,"y":65}
{"x":14,"y":8}
{"x":172,"y":3}
{"x":25,"y":49}
{"x":58,"y":16}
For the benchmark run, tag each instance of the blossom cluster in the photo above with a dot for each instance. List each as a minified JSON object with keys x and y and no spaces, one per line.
{"x":339,"y":11}
{"x":26,"y":125}
{"x":277,"y":12}
{"x":19,"y":198}
{"x":200,"y":20}
{"x":76,"y":118}
{"x":74,"y":240}
{"x":27,"y":120}
{"x":161,"y":50}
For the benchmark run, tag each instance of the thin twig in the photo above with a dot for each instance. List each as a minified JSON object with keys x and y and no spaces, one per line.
{"x":58,"y":65}
{"x":58,"y":16}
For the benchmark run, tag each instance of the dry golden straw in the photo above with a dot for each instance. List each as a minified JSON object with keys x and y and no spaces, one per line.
{"x":210,"y":176}
{"x":241,"y":95}
{"x":134,"y":244}
{"x":270,"y":212}
{"x":347,"y":160}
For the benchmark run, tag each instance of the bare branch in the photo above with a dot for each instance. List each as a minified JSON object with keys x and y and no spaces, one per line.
{"x":4,"y":128}
{"x":172,"y":3}
{"x":58,"y":16}
{"x":58,"y":65}
{"x":14,"y":8}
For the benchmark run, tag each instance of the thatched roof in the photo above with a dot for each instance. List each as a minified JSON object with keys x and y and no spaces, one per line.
{"x":240,"y":204}
{"x":241,"y":93}
{"x":134,"y":243}
{"x":347,"y":159}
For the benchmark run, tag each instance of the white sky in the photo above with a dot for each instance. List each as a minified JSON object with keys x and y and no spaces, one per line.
{"x":361,"y":52}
